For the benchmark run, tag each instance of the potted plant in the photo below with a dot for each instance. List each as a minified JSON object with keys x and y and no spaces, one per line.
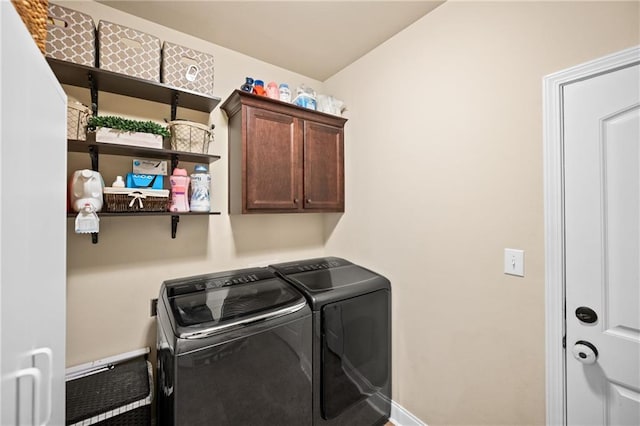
{"x":118,"y":130}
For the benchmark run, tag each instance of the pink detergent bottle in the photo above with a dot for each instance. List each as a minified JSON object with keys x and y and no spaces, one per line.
{"x":179,"y":190}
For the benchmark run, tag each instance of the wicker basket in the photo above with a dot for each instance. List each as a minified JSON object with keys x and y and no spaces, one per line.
{"x":125,"y":200}
{"x":34,"y":16}
{"x":190,"y":137}
{"x":117,"y":396}
{"x":77,"y":116}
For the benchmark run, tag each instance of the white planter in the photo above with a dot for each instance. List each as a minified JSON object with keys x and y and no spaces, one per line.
{"x":147,"y":140}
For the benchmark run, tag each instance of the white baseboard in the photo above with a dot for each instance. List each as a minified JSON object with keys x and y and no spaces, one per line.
{"x":400,"y":416}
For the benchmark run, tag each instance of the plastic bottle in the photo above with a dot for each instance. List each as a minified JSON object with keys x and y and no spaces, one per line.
{"x":306,"y":97}
{"x":272,"y":90}
{"x":200,"y":184}
{"x":179,"y":190}
{"x":86,"y":189}
{"x":258,"y":88}
{"x":248,"y":85}
{"x":285,"y":92}
{"x":118,"y":183}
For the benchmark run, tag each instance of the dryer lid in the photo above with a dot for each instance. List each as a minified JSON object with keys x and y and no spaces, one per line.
{"x":333,"y":278}
{"x":326,"y":273}
{"x":211,"y":310}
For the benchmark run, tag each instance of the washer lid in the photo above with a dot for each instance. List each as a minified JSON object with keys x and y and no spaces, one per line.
{"x":211,"y":310}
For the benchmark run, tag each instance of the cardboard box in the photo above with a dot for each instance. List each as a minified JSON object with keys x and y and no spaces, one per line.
{"x":128,"y":51}
{"x":149,"y":167}
{"x":145,"y":181}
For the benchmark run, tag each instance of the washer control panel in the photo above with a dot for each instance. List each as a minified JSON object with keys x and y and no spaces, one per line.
{"x":213,"y":281}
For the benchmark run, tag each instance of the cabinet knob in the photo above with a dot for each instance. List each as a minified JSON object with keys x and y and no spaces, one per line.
{"x":295,"y":201}
{"x":309,"y":200}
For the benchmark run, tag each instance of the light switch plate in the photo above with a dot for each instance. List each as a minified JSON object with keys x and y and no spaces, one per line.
{"x":514,"y":262}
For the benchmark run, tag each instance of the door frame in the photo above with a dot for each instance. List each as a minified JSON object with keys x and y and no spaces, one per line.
{"x":553,"y":155}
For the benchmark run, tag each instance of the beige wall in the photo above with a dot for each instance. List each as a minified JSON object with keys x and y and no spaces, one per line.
{"x":443,"y":171}
{"x":110,"y":284}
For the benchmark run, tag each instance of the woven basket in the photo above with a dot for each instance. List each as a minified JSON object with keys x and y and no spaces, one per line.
{"x":190,"y":137}
{"x":125,"y":200}
{"x":77,"y":116}
{"x":34,"y":16}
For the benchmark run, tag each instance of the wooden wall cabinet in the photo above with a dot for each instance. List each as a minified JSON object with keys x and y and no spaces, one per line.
{"x":283,"y":158}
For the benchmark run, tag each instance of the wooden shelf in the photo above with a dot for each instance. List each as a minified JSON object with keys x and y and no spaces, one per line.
{"x":122,"y":84}
{"x":138,"y":151}
{"x":175,"y":218}
{"x":108,"y":214}
{"x":96,"y":80}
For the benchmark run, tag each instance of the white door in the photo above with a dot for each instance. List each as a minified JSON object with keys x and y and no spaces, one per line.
{"x":32,"y":231}
{"x":602,"y":263}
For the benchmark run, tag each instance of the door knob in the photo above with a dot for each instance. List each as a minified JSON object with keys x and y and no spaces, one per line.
{"x":585,"y":352}
{"x":586,"y":315}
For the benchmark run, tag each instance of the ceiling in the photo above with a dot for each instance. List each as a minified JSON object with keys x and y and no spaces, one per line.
{"x":313,"y":38}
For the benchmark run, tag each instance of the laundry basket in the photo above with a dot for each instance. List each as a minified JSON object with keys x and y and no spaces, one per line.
{"x":118,"y":395}
{"x":190,"y":137}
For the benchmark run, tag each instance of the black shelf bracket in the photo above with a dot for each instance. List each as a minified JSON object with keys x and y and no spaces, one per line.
{"x":174,"y":105}
{"x":94,"y":94}
{"x":174,"y":162}
{"x":174,"y":225}
{"x":94,"y":237}
{"x":93,"y":153}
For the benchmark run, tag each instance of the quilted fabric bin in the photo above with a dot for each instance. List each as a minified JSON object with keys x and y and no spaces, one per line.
{"x":77,"y":116}
{"x":128,"y":51}
{"x":120,"y":395}
{"x":187,"y":68}
{"x":189,"y":136}
{"x":71,"y":36}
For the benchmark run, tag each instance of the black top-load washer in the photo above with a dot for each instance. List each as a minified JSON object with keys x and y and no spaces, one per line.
{"x":234,"y":348}
{"x":351,"y":339}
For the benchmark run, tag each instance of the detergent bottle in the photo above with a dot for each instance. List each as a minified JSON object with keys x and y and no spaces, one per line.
{"x":179,"y":191}
{"x":85,"y":193}
{"x":200,"y":184}
{"x":86,"y":190}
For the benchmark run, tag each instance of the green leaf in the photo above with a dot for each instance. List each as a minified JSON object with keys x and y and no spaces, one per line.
{"x":126,"y":125}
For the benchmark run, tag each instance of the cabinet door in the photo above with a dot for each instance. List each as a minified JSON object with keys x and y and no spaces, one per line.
{"x":273,"y":169}
{"x":323,"y":167}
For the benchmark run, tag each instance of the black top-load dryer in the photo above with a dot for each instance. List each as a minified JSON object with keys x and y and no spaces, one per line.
{"x":234,"y":348}
{"x":351,"y":339}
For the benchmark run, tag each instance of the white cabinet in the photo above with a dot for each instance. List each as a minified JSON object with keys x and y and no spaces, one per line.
{"x":32,"y":231}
